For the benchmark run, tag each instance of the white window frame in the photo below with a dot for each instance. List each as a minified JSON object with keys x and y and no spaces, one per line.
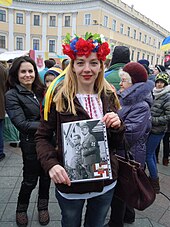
{"x":114,"y":25}
{"x":54,"y":45}
{"x":20,"y":18}
{"x":87,"y":19}
{"x":134,"y":33}
{"x":105,"y":21}
{"x":33,"y":43}
{"x":121,"y":28}
{"x":3,"y":14}
{"x":65,"y":24}
{"x":36,"y":15}
{"x":128,"y":31}
{"x":52,"y":23}
{"x":4,"y":40}
{"x":19,"y":37}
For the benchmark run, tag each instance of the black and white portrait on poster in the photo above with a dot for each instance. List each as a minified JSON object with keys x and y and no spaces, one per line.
{"x":86,"y":154}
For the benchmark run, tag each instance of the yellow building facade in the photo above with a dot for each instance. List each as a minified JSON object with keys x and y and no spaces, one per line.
{"x":42,"y":25}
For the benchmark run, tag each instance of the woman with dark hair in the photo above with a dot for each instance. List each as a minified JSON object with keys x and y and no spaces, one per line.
{"x":23,"y":107}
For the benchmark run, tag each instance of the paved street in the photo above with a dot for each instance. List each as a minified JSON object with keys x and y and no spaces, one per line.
{"x":157,"y":215}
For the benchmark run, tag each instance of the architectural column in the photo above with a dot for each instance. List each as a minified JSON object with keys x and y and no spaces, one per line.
{"x":28,"y":26}
{"x":74,"y":18}
{"x":44,"y":32}
{"x":59,"y":40}
{"x":11,"y":38}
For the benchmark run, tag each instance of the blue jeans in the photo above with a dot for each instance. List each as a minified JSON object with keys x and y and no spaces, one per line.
{"x":96,"y":210}
{"x":151,"y":145}
{"x":1,"y":137}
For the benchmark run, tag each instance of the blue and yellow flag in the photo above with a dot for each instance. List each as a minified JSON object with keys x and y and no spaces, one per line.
{"x":50,"y":92}
{"x":166,"y":44}
{"x":6,"y":2}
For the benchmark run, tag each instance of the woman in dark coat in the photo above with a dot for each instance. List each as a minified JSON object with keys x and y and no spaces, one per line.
{"x":160,"y":112}
{"x":136,"y":99}
{"x":23,"y":107}
{"x":3,"y":78}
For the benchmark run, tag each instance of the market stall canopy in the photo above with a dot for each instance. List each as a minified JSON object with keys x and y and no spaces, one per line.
{"x":13,"y":54}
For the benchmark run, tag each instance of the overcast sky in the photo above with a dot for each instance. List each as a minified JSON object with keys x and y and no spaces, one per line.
{"x":158,"y":11}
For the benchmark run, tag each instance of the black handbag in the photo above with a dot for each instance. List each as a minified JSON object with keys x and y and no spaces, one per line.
{"x":133,"y":185}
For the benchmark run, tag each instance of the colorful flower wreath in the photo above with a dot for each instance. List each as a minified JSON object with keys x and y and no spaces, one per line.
{"x":84,"y":47}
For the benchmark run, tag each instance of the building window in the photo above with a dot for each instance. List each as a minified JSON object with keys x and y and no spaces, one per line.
{"x":36,"y":44}
{"x":36,"y":20}
{"x":154,"y":42}
{"x":52,"y":21}
{"x":143,"y":56}
{"x":105,"y":21}
{"x":140,"y":36}
{"x":19,"y":18}
{"x":149,"y":41}
{"x":152,"y":60}
{"x":87,"y":18}
{"x":132,"y":55}
{"x":51,"y":45}
{"x":67,"y":21}
{"x":114,"y":25}
{"x":19,"y":43}
{"x":148,"y":57}
{"x":2,"y":41}
{"x":3,"y":15}
{"x":128,"y":31}
{"x":138,"y":56}
{"x":159,"y":45}
{"x":134,"y":34}
{"x":145,"y":38}
{"x":121,"y":28}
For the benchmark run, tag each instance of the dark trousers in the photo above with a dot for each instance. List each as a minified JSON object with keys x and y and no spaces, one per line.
{"x":32,"y":171}
{"x":166,"y":147}
{"x":120,"y":213}
{"x":1,"y":137}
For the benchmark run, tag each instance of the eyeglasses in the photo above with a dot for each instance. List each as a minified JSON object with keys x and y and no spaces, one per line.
{"x":123,"y":80}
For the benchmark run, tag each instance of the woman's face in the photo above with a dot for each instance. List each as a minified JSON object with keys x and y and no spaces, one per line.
{"x":155,"y":71}
{"x":86,"y":70}
{"x":124,"y":83}
{"x":26,"y":75}
{"x":49,"y":79}
{"x":159,"y":84}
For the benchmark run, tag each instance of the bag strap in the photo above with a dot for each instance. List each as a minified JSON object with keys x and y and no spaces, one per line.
{"x":126,"y":146}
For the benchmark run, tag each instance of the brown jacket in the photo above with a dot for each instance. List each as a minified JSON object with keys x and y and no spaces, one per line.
{"x":49,"y":156}
{"x":3,"y":78}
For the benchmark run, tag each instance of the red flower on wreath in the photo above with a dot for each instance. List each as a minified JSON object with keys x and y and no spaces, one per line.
{"x":103,"y":51}
{"x":84,"y":47}
{"x":68,"y":51}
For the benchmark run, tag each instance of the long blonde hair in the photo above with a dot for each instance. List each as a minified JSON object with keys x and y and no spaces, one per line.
{"x":69,"y":89}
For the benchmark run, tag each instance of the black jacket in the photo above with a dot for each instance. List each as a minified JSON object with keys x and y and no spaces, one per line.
{"x":23,"y":108}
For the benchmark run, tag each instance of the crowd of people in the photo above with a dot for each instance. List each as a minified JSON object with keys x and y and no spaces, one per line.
{"x":133,"y":102}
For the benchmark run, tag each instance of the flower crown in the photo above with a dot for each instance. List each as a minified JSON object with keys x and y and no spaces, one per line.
{"x":91,"y":43}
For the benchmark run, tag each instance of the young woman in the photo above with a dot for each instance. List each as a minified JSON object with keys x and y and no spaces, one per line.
{"x":83,"y":94}
{"x":23,"y":107}
{"x":160,"y":113}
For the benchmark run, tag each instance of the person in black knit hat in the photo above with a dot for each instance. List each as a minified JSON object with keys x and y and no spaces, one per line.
{"x":120,"y":57}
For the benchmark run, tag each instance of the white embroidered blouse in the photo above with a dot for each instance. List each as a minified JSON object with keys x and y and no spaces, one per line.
{"x":91,"y":104}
